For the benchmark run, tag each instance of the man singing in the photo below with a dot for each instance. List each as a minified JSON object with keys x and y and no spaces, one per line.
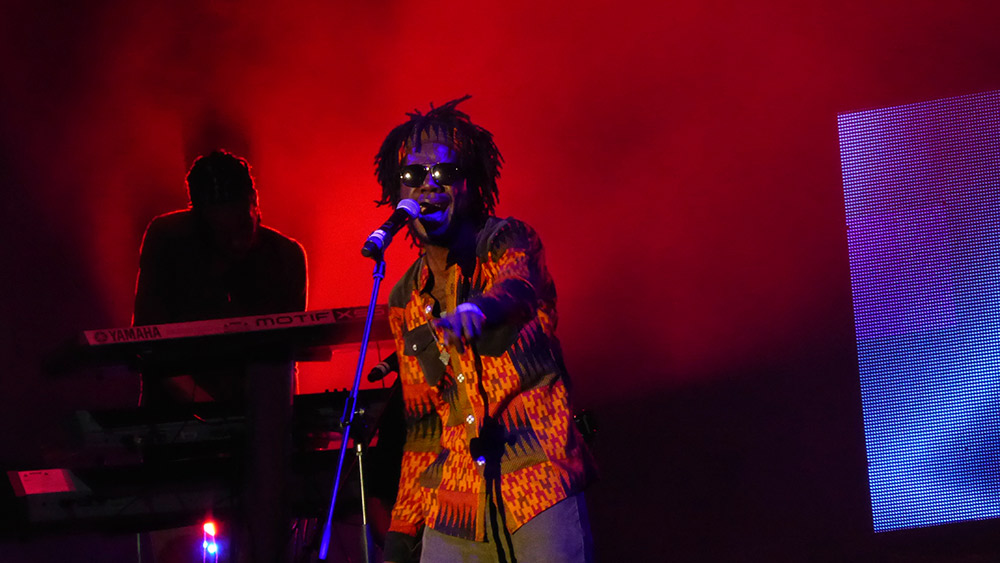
{"x":493,"y":466}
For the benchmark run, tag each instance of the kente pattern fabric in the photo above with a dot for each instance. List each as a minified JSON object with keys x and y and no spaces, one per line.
{"x":496,"y":410}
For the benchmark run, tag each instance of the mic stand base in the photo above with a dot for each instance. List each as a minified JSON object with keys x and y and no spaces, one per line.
{"x":347,"y":423}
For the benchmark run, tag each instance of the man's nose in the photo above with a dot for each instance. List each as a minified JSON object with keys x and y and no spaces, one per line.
{"x":430,"y":183}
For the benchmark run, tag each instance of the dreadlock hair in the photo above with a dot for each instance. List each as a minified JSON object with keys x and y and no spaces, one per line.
{"x":220,"y":177}
{"x":478,"y":156}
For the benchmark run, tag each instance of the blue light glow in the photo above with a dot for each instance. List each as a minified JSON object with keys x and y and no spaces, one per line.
{"x":922,"y":193}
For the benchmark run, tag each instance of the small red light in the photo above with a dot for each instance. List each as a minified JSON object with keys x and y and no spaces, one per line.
{"x":209,"y":528}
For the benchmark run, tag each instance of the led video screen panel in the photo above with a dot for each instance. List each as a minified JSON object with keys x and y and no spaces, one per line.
{"x":922,"y":194}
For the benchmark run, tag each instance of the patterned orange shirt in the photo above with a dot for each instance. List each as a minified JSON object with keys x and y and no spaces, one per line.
{"x":495,"y":413}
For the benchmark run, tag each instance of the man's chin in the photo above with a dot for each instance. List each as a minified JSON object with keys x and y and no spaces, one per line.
{"x":434,"y":230}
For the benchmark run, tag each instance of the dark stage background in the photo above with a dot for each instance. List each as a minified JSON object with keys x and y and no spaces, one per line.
{"x":680,"y":161}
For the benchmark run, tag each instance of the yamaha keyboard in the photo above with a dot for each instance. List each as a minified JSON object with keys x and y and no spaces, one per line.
{"x":326,"y":326}
{"x":300,"y":336}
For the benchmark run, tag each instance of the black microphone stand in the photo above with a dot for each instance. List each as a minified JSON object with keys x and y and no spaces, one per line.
{"x":347,"y":423}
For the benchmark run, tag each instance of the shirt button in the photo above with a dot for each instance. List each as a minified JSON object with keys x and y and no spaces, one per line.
{"x":414,"y":347}
{"x":460,"y":378}
{"x":470,"y":419}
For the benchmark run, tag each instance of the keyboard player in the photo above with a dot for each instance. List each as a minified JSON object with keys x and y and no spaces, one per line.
{"x":216,"y":260}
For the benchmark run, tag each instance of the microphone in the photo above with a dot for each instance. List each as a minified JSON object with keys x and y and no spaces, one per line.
{"x":384,"y":368}
{"x":377,"y":242}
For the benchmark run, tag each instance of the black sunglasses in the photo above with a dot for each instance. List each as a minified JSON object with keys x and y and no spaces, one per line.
{"x":443,"y":173}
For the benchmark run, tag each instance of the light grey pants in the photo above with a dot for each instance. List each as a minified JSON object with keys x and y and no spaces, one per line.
{"x":560,"y":534}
